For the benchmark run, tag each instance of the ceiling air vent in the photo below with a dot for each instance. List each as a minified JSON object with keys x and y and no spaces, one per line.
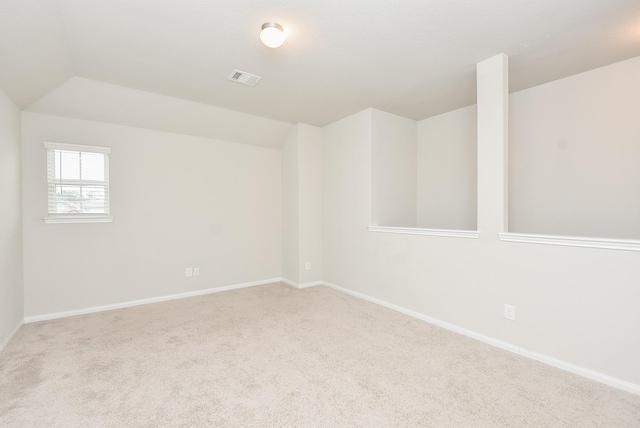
{"x":245,"y":78}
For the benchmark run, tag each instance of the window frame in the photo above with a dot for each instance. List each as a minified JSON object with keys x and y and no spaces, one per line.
{"x":53,"y":218}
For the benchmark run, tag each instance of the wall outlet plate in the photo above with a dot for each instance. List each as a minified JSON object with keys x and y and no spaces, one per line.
{"x":307,"y":265}
{"x":510,"y":312}
{"x":196,"y":271}
{"x":189,"y":272}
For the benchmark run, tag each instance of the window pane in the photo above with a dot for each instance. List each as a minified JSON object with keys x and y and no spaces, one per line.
{"x":92,"y":166}
{"x":94,"y":200}
{"x":80,"y":200}
{"x":56,"y":157}
{"x":78,"y":183}
{"x":69,"y":165}
{"x":68,"y":199}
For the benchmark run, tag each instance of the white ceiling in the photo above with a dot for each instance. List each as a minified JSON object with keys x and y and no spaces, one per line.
{"x":104,"y":102}
{"x":414,"y":58}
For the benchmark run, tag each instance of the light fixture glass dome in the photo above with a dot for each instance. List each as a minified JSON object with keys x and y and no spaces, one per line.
{"x":272,"y":34}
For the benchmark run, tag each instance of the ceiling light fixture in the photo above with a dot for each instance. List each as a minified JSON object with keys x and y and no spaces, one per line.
{"x":272,"y":34}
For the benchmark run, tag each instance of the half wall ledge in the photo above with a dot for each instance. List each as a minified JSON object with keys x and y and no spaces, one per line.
{"x":469,"y":234}
{"x":572,"y":241}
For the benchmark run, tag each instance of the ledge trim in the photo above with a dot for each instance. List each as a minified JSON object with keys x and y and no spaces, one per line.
{"x":572,"y":241}
{"x":471,"y":234}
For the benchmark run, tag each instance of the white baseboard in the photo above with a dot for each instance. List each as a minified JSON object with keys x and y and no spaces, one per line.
{"x":575,"y":369}
{"x":305,"y":285}
{"x":6,"y":341}
{"x":310,"y":284}
{"x":56,"y":315}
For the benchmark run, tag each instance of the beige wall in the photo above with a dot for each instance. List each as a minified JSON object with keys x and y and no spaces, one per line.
{"x":302,"y":205}
{"x":181,"y":201}
{"x":573,"y":159}
{"x":574,"y":155}
{"x":394,"y":180}
{"x":177,"y":201}
{"x":578,"y":305}
{"x":11,"y":288}
{"x":290,"y":207}
{"x":447,"y":170}
{"x":310,"y":200}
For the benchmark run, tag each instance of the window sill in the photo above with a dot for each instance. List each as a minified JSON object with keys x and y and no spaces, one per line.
{"x":55,"y":220}
{"x":572,"y":241}
{"x":470,"y":234}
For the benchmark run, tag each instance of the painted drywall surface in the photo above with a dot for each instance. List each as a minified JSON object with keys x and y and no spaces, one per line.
{"x":104,"y":102}
{"x":394,"y":147}
{"x":290,"y":207}
{"x":310,"y":202}
{"x":177,"y":201}
{"x":574,"y":152}
{"x":573,"y":158}
{"x":579,"y":305}
{"x":493,"y":117}
{"x":346,"y":198}
{"x":11,"y":289}
{"x":447,"y":171}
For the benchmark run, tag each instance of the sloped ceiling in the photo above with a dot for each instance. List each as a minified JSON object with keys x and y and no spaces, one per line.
{"x":34,"y":55}
{"x":104,"y":102}
{"x":414,"y":58}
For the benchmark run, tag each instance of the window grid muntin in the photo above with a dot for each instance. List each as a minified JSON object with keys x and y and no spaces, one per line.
{"x":53,"y":182}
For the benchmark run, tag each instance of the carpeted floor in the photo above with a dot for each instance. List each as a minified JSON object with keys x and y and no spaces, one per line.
{"x":276,"y":356}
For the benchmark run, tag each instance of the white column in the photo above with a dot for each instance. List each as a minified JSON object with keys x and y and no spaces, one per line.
{"x":290,"y":209}
{"x":310,"y":203}
{"x":493,"y":120}
{"x":302,"y":206}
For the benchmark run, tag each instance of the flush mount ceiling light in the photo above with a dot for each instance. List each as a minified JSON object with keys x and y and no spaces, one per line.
{"x":272,"y":34}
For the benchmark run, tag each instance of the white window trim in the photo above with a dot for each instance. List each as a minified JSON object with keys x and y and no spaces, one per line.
{"x":77,"y":218}
{"x":69,"y":219}
{"x":76,"y":147}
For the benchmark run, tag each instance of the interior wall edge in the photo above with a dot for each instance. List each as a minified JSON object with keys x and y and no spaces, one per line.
{"x":551,"y":361}
{"x":158,"y":299}
{"x":6,"y":341}
{"x":300,"y":286}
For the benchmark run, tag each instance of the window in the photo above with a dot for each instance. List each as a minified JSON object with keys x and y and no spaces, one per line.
{"x":78,"y":179}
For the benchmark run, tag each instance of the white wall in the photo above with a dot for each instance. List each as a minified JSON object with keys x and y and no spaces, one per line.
{"x":573,"y":158}
{"x":574,"y":155}
{"x":310,"y":200}
{"x":290,"y":207}
{"x":579,"y":305}
{"x":177,"y":201}
{"x":394,"y":146}
{"x":302,"y":205}
{"x":447,"y":170}
{"x":11,"y":285}
{"x":105,"y":102}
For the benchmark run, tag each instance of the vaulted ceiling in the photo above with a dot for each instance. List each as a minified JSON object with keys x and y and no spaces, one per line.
{"x":414,"y":58}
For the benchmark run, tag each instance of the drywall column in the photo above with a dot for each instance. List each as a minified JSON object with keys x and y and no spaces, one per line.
{"x":302,"y":206}
{"x":290,"y":208}
{"x":11,"y":275}
{"x":493,"y":111}
{"x":310,"y":203}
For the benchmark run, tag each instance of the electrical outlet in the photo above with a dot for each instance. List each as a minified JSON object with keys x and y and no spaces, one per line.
{"x":510,"y":312}
{"x":307,"y":265}
{"x":196,"y":271}
{"x":189,"y":272}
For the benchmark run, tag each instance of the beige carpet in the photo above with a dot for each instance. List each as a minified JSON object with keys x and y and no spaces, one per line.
{"x":277,"y":356}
